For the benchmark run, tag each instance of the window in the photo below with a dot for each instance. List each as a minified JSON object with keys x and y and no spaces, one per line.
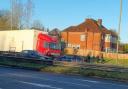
{"x":54,"y":45}
{"x":46,"y":44}
{"x":107,"y":37}
{"x":82,"y":37}
{"x":69,"y":45}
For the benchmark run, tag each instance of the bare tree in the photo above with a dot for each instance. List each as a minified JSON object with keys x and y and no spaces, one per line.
{"x":55,"y":32}
{"x":21,"y":14}
{"x":28,"y":12}
{"x":18,"y":16}
{"x":37,"y":25}
{"x":16,"y":13}
{"x":113,"y":30}
{"x":4,"y":20}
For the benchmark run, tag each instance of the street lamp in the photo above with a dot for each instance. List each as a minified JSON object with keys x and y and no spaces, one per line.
{"x":119,"y":28}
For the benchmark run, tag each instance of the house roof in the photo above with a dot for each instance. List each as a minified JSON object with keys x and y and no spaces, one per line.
{"x":90,"y":25}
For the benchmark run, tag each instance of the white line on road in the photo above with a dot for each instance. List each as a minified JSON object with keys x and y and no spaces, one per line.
{"x":40,"y":85}
{"x":70,"y":83}
{"x":101,"y":82}
{"x":88,"y":81}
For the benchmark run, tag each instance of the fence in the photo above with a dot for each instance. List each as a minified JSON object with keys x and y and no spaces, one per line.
{"x":83,"y":52}
{"x":25,"y":60}
{"x":115,"y":55}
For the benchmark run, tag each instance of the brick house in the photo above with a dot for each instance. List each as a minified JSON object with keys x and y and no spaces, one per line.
{"x":90,"y":35}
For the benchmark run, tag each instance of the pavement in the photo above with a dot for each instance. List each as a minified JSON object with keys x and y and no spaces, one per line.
{"x":14,"y":78}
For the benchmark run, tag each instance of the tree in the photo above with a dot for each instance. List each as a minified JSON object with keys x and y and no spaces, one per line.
{"x":125,"y":48}
{"x":21,"y":13}
{"x":114,"y":31}
{"x":37,"y":24}
{"x":48,"y":30}
{"x":16,"y":13}
{"x":28,"y":12}
{"x":55,"y":32}
{"x":18,"y":17}
{"x":4,"y":20}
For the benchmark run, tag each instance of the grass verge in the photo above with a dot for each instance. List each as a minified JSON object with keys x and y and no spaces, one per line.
{"x":86,"y":72}
{"x":69,"y":70}
{"x":117,"y":62}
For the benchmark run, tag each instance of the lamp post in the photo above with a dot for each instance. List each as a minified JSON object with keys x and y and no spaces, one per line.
{"x":119,"y":28}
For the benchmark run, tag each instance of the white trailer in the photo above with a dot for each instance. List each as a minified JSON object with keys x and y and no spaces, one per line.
{"x":18,"y":40}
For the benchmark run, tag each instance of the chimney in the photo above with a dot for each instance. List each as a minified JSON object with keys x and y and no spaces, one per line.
{"x":99,"y":22}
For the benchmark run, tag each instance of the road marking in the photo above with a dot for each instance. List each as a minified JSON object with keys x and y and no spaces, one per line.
{"x":88,"y":81}
{"x":102,"y":82}
{"x":77,"y":84}
{"x":40,"y":85}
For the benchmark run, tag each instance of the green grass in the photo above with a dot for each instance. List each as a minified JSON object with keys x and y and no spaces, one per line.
{"x":119,"y":62}
{"x":61,"y":69}
{"x":86,"y":72}
{"x":70,"y":69}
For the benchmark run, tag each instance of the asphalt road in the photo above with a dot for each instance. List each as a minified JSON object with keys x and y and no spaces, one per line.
{"x":13,"y":78}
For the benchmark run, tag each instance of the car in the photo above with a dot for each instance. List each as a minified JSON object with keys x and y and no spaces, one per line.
{"x":33,"y":54}
{"x":70,"y":58}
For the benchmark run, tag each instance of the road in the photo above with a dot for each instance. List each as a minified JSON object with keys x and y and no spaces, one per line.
{"x":14,"y":78}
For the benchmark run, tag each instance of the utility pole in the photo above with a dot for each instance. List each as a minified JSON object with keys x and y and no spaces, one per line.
{"x":11,"y":7}
{"x":119,"y":28}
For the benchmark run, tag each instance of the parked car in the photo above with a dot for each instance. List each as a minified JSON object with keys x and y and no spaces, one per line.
{"x":33,"y":54}
{"x":70,"y":58}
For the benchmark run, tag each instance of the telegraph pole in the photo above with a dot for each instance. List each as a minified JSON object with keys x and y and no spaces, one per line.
{"x":11,"y":7}
{"x":119,"y":28}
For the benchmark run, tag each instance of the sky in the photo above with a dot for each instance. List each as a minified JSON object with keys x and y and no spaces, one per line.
{"x":64,"y":13}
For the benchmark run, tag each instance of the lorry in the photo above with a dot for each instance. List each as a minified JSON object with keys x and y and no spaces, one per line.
{"x":29,"y":39}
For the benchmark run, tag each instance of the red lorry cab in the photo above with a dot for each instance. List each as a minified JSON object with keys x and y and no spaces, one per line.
{"x":47,"y":45}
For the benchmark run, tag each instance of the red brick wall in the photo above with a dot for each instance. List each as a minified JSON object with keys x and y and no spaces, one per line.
{"x":93,"y":41}
{"x":97,"y":41}
{"x":73,"y":38}
{"x":107,"y":44}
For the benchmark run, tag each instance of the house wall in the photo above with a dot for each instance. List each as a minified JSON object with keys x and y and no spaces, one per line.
{"x":97,"y":37}
{"x":92,"y":41}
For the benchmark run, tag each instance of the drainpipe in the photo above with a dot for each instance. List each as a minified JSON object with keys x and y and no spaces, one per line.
{"x":86,"y":35}
{"x":67,"y":38}
{"x":93,"y":45}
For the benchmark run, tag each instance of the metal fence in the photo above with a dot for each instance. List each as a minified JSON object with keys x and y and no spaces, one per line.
{"x":25,"y":60}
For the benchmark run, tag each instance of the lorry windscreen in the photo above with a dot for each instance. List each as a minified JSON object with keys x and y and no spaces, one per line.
{"x":54,"y":45}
